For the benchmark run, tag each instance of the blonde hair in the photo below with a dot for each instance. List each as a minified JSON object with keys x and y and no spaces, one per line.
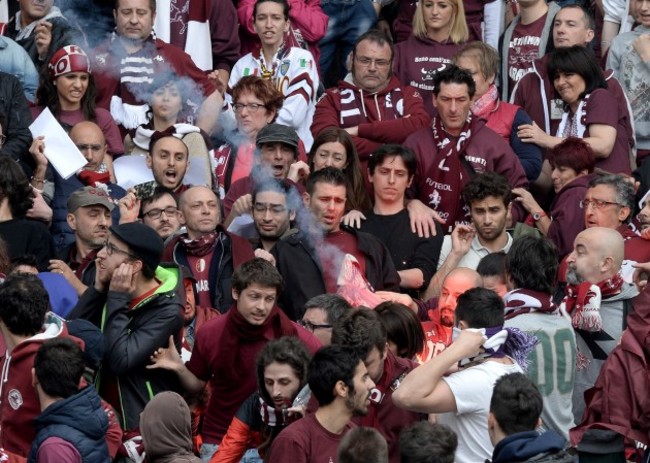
{"x":485,"y":56}
{"x":458,"y":33}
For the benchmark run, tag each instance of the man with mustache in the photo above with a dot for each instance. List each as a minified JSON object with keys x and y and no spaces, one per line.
{"x":438,"y":329}
{"x":598,"y":301}
{"x":342,"y":386}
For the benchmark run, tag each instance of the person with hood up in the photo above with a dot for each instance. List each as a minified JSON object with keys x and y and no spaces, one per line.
{"x":166,"y":430}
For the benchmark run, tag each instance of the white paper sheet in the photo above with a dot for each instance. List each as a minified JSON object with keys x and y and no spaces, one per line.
{"x":60,"y":150}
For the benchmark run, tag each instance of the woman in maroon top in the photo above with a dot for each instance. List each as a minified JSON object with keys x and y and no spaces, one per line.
{"x":439,"y":29}
{"x":590,"y":111}
{"x":67,"y":88}
{"x":572,"y":162}
{"x":333,"y":147}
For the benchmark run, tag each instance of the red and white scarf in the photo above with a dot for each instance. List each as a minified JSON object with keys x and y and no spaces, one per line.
{"x":583,"y":301}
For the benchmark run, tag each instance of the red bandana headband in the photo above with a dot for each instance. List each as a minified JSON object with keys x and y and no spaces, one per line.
{"x":68,"y":59}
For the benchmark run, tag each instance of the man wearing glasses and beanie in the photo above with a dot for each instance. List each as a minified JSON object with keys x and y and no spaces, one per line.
{"x":137,"y":304}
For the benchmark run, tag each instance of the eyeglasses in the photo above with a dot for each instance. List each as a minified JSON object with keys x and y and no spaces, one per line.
{"x":252,"y":107}
{"x":154,"y":214}
{"x":3,"y":139}
{"x":111,"y":248}
{"x":597,"y":204}
{"x":366,"y":62}
{"x":86,"y":147}
{"x":309,"y":326}
{"x":272,"y":208}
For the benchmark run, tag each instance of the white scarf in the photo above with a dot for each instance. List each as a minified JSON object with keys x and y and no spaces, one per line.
{"x":574,"y":125}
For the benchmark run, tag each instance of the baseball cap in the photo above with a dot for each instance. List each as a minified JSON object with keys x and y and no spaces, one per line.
{"x":89,"y":196}
{"x":274,"y":133}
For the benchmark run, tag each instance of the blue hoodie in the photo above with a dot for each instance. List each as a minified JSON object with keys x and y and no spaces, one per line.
{"x":531,"y":446}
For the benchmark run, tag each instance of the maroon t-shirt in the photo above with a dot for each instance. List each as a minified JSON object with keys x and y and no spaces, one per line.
{"x":523,"y":49}
{"x":602,"y":108}
{"x":331,"y":262}
{"x":200,"y":268}
{"x":104,"y":120}
{"x":208,"y":363}
{"x":306,"y":441}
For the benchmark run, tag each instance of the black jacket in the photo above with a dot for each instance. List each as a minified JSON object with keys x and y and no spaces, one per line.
{"x":297,"y":262}
{"x":14,"y":108}
{"x":131,"y":337}
{"x":230,"y":253}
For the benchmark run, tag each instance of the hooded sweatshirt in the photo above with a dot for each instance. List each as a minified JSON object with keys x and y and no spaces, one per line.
{"x":387,"y":116}
{"x":19,"y":403}
{"x":166,"y":430}
{"x":531,"y":446}
{"x":417,"y":60}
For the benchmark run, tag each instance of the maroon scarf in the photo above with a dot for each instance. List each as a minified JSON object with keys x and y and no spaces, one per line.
{"x":522,"y":301}
{"x":450,"y":169}
{"x":237,"y":329}
{"x":200,"y":246}
{"x":582,"y":301}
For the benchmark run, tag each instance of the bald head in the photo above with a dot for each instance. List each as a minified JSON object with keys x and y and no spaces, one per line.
{"x":464,"y":276}
{"x":597,"y":255}
{"x":90,"y":140}
{"x":200,"y":211}
{"x":456,"y":283}
{"x":607,"y":241}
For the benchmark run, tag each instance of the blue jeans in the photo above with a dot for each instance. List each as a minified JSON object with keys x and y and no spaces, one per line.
{"x":348,"y":19}
{"x":208,"y":450}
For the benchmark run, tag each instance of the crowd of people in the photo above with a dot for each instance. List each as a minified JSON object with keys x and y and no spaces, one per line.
{"x":324,"y":231}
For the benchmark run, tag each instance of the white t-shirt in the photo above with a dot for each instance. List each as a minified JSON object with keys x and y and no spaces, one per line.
{"x":472,"y":389}
{"x":476,"y":252}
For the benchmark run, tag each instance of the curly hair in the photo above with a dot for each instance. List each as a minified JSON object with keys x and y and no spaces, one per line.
{"x":15,"y":187}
